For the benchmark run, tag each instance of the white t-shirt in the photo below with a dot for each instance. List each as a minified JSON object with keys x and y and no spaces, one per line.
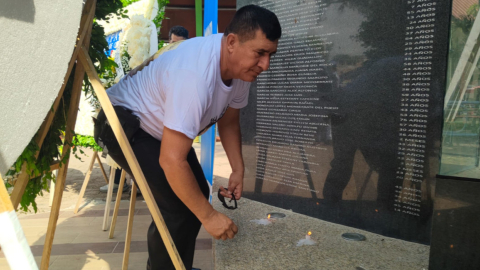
{"x":182,"y":89}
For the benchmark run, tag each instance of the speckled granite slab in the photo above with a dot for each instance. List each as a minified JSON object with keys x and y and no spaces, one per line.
{"x":274,"y":246}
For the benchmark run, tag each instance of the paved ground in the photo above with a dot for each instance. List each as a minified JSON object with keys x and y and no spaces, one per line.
{"x":79,"y":240}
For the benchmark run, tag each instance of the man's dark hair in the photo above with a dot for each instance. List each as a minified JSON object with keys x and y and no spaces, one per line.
{"x":179,"y":31}
{"x":249,"y":19}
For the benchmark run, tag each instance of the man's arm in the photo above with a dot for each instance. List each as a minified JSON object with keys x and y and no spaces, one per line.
{"x":229,"y":129}
{"x":173,"y":160}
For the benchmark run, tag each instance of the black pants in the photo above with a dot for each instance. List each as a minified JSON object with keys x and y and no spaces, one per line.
{"x":182,"y":224}
{"x":118,"y":173}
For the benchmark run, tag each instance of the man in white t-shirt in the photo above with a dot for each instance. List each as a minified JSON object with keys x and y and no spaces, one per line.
{"x":176,"y":95}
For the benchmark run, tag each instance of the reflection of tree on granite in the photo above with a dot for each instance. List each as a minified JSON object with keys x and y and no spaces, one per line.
{"x":369,"y":122}
{"x":368,"y":112}
{"x":382,"y":32}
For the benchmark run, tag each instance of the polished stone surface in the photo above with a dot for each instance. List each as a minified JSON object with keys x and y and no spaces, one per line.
{"x":345,"y":126}
{"x":456,"y":225}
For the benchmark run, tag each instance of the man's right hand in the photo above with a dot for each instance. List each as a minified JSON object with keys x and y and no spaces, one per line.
{"x":173,"y":160}
{"x":220,"y":226}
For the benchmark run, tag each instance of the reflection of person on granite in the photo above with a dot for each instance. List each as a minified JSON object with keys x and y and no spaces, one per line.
{"x":368,"y":121}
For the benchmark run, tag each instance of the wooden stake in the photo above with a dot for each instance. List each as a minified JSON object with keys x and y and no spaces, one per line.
{"x":130,"y":157}
{"x":85,"y":183}
{"x":71,"y":120}
{"x":101,"y":167}
{"x":108,"y":202}
{"x":62,"y":172}
{"x":52,"y":189}
{"x":117,"y":204}
{"x":128,"y":237}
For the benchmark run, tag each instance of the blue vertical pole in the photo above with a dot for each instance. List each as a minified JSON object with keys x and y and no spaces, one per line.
{"x":210,"y":27}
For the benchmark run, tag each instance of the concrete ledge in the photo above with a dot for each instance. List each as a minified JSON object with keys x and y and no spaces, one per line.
{"x":274,"y":246}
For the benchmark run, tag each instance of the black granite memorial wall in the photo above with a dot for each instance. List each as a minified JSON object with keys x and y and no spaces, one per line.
{"x":346,"y":124}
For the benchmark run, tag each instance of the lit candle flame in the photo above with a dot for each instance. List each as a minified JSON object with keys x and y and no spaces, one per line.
{"x":268,"y":216}
{"x":309,"y":233}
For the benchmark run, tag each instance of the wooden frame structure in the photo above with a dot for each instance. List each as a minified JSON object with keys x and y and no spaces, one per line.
{"x":84,"y":65}
{"x":87,"y":179}
{"x":131,"y":211}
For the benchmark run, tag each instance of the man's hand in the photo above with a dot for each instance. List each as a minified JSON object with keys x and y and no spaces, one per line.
{"x":235,"y":186}
{"x":220,"y":226}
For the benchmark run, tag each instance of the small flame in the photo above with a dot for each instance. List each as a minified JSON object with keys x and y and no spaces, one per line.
{"x":268,"y":216}
{"x":309,"y":233}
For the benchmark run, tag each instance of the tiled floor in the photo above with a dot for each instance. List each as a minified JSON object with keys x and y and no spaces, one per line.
{"x":80,"y":242}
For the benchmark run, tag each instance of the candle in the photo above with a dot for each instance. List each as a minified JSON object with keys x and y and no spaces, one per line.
{"x":307,"y":241}
{"x":264,"y":221}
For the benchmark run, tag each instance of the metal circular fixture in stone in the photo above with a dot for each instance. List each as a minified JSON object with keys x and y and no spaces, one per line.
{"x":354,"y":237}
{"x":276,"y":215}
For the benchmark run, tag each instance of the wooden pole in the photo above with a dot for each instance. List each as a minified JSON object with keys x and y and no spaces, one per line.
{"x":117,"y":204}
{"x":101,"y":167}
{"x":131,"y":159}
{"x":52,"y":189}
{"x":71,"y":120}
{"x":62,"y":172}
{"x":108,"y":202}
{"x":128,"y":237}
{"x":85,"y":183}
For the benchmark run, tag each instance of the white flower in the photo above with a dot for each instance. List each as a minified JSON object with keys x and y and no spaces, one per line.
{"x":104,"y":82}
{"x":143,"y":42}
{"x":132,"y":48}
{"x":149,"y":8}
{"x":138,"y":57}
{"x":139,"y":21}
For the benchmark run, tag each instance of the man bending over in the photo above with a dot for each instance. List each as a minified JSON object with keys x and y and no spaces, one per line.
{"x":187,"y":87}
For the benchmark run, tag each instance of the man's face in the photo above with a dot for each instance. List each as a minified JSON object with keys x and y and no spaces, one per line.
{"x":252,"y":57}
{"x":175,"y":38}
